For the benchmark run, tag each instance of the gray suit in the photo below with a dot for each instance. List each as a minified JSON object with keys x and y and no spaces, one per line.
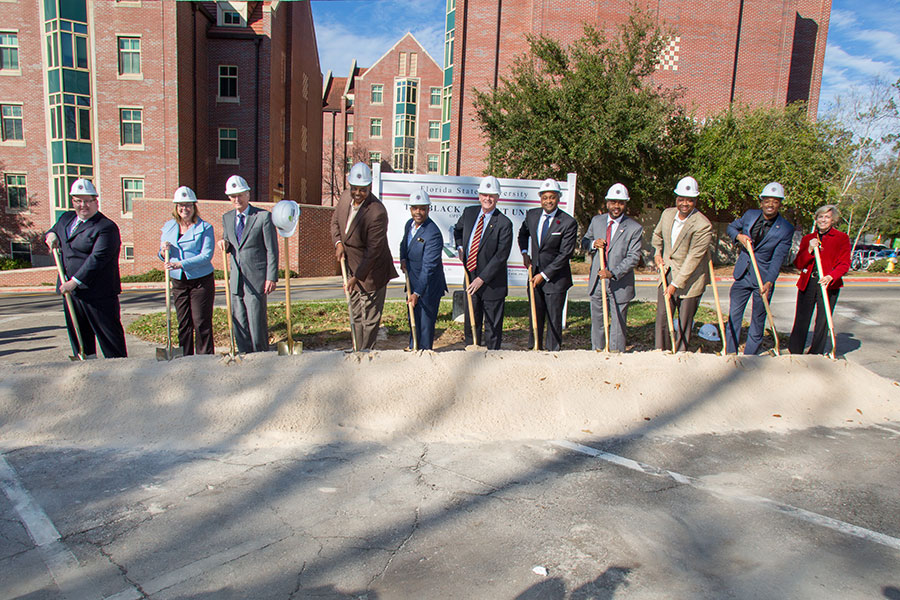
{"x":254,"y":260}
{"x":623,"y":256}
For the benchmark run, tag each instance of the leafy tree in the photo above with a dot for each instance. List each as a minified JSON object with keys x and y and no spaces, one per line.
{"x":590,"y":108}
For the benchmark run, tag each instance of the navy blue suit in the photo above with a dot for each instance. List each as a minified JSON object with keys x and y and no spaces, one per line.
{"x":426,"y":276}
{"x":91,"y":255}
{"x":770,"y":254}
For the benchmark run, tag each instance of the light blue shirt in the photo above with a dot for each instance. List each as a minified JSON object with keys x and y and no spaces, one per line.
{"x":194,"y":250}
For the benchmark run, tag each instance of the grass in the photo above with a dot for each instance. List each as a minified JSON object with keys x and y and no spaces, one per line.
{"x":325,"y":326}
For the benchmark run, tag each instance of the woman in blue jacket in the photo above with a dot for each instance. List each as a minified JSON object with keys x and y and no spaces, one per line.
{"x":190,"y":242}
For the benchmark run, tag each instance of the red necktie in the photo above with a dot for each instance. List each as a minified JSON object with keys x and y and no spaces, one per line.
{"x":608,"y":238}
{"x":472,"y":259}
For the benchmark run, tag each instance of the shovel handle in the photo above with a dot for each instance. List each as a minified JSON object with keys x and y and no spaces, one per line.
{"x":765,"y":300}
{"x":69,"y":303}
{"x":712,"y":280}
{"x":471,"y":306}
{"x":605,"y":299}
{"x":534,"y":332}
{"x":827,"y":302}
{"x":412,"y":315}
{"x":228,"y":301}
{"x":349,"y":310}
{"x":662,"y":284}
{"x":287,"y":294}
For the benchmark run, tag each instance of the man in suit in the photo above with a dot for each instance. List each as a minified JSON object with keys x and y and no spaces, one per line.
{"x":681,"y":239}
{"x":90,"y":245}
{"x":420,"y":258}
{"x":359,"y":231}
{"x":769,"y":234}
{"x":483,"y":237}
{"x":618,"y":236}
{"x":251,"y":240}
{"x":552,"y":235}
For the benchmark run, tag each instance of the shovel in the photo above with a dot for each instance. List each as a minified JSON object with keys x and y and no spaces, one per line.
{"x":228,"y":302}
{"x":712,"y":279}
{"x":533,"y":309}
{"x":412,"y":316}
{"x":765,"y":300}
{"x":826,"y":301}
{"x":605,"y":299}
{"x":79,"y":352}
{"x":168,"y":353}
{"x":290,"y":346}
{"x":349,"y":310}
{"x":471,"y":306}
{"x":662,"y":283}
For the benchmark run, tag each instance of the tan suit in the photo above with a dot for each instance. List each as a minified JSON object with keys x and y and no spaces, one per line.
{"x":687,"y":268}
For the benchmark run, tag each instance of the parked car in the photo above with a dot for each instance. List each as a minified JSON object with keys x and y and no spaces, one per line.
{"x":881,"y":254}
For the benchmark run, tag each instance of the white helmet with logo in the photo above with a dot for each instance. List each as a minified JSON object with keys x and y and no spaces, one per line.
{"x":550,"y":185}
{"x":360,"y":175}
{"x":235,"y":185}
{"x":687,"y":188}
{"x":184,"y":194}
{"x":285,"y":216}
{"x":83,"y":187}
{"x":709,"y":333}
{"x":490,"y":186}
{"x":617,"y":192}
{"x":419,"y":198}
{"x":773,"y":190}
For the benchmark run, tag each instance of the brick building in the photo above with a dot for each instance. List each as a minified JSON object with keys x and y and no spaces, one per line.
{"x":141,"y":96}
{"x":769,"y":52}
{"x":388,"y":113}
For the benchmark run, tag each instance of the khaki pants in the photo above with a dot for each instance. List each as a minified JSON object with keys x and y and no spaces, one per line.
{"x":366,"y":308}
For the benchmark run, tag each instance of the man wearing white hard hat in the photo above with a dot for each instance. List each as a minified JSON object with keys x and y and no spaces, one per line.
{"x":681,"y":239}
{"x":617,"y":238}
{"x":420,"y":257}
{"x":483,"y":236}
{"x":769,"y":234}
{"x":252,"y":242}
{"x":90,"y":243}
{"x":551,"y":234}
{"x":191,"y":243}
{"x":359,"y":232}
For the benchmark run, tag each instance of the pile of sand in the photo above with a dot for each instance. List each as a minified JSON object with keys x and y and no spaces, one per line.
{"x":449,"y":396}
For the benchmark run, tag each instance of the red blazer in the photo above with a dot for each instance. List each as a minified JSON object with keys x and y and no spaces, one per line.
{"x":835,"y":253}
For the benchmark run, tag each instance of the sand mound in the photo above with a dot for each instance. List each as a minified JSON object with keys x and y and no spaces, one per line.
{"x":448,"y":396}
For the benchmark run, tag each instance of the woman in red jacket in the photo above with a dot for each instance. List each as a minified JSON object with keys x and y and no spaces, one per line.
{"x":834,"y":248}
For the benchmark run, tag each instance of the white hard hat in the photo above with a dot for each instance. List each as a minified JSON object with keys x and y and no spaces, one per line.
{"x":709,"y":333}
{"x":617,"y":192}
{"x":419,"y":198}
{"x":360,"y":175}
{"x":489,"y":185}
{"x":285,"y":216}
{"x":184,"y":194}
{"x":235,"y":185}
{"x":550,"y":185}
{"x":687,"y":188}
{"x":83,"y":187}
{"x":773,"y":190}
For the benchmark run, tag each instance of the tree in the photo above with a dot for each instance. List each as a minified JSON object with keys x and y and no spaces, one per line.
{"x":742,"y":149}
{"x":590,"y":108}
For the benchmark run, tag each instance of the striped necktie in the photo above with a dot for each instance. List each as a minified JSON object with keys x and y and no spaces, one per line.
{"x":239,"y":229}
{"x":472,"y":259}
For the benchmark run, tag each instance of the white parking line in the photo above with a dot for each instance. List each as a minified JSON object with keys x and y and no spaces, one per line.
{"x":722,"y":492}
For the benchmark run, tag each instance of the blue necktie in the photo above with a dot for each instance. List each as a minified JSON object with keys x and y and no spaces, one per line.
{"x":75,"y":225}
{"x":239,"y":229}
{"x":544,"y":229}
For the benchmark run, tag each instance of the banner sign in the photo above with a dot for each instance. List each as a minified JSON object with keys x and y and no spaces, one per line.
{"x":449,"y":196}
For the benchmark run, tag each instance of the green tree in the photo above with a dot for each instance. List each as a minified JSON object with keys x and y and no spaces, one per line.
{"x":590,"y":108}
{"x":741,"y":149}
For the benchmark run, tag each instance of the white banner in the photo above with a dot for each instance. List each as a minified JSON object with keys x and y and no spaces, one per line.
{"x":449,"y":196}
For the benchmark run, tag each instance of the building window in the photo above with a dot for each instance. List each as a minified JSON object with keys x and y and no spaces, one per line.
{"x":402,"y":66}
{"x":374,"y":157}
{"x":131,"y":189}
{"x":445,"y":104}
{"x":448,"y":48}
{"x":231,"y":14}
{"x":20,"y":251}
{"x":413,"y":64}
{"x":375,"y":128}
{"x":434,"y":130}
{"x":451,"y":5}
{"x":445,"y":158}
{"x":9,"y":51}
{"x":16,"y":193}
{"x":132,"y":134}
{"x":228,"y":144}
{"x":349,"y":134}
{"x":435,"y":97}
{"x":129,"y":56}
{"x":228,"y":82}
{"x":128,"y":252}
{"x":230,"y":17}
{"x":434,"y":163}
{"x":377,"y":93}
{"x":11,"y":118}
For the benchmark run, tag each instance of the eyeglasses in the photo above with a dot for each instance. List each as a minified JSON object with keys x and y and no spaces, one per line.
{"x":83,"y":201}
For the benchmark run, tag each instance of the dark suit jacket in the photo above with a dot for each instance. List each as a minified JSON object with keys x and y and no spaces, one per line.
{"x":552,"y":256}
{"x":835,"y":253}
{"x":255,"y":259}
{"x":624,"y":255}
{"x":770,"y":252}
{"x":365,"y":244}
{"x":423,"y":260}
{"x":91,"y":255}
{"x":493,"y":250}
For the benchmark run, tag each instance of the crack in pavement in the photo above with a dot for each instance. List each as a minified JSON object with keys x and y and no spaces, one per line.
{"x":299,"y":585}
{"x":397,"y":550}
{"x":122,"y":570}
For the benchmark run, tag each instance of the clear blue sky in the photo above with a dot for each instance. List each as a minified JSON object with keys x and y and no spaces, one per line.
{"x":863,"y":39}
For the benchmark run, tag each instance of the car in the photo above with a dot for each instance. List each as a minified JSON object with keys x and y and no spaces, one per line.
{"x":861,"y":259}
{"x":880,"y":255}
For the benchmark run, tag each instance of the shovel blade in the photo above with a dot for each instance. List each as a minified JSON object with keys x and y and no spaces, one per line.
{"x":285,"y":350}
{"x":168,"y":353}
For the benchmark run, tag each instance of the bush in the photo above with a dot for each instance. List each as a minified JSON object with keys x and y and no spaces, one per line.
{"x":880,"y":266}
{"x":152,"y":275}
{"x":8,"y":264}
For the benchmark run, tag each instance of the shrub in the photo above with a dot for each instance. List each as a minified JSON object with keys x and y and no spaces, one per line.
{"x":880,"y":266}
{"x":151,"y":275}
{"x":8,"y":264}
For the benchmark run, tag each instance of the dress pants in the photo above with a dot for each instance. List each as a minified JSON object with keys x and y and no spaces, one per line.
{"x":251,"y":325}
{"x":808,"y":300}
{"x":426,"y":312}
{"x":490,"y":314}
{"x":549,"y":308}
{"x":100,"y":317}
{"x":686,"y":309}
{"x":618,"y":317}
{"x":194,"y":306}
{"x":741,"y":291}
{"x":366,"y":308}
